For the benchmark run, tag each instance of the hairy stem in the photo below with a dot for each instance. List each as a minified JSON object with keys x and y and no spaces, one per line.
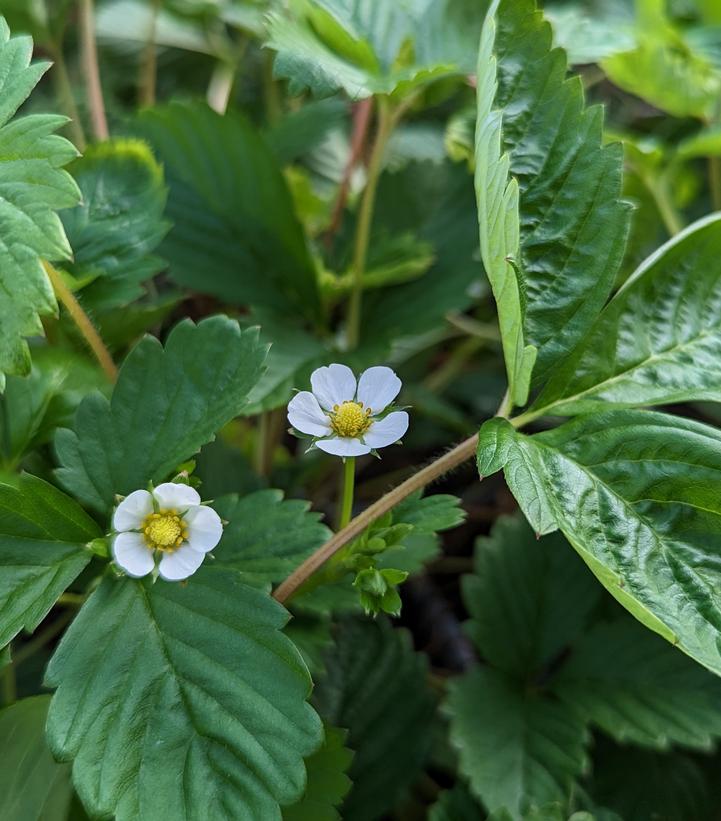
{"x":92,"y":70}
{"x":386,"y":121}
{"x":66,"y":297}
{"x":418,"y":480}
{"x":346,"y":500}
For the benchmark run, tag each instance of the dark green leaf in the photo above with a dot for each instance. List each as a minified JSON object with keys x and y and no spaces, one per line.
{"x":33,"y":787}
{"x":376,"y":689}
{"x":166,"y":404}
{"x":119,"y":224}
{"x":328,"y":783}
{"x":267,"y":537}
{"x":518,"y":748}
{"x":33,"y":186}
{"x":43,"y":534}
{"x":527,"y":599}
{"x":635,"y":494}
{"x":658,"y":340}
{"x":573,"y":225}
{"x":234,"y":233}
{"x":455,"y":805}
{"x":638,"y":689}
{"x":174,"y":698}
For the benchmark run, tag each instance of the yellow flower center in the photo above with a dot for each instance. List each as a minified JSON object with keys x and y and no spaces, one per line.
{"x":164,"y":530}
{"x":349,"y":419}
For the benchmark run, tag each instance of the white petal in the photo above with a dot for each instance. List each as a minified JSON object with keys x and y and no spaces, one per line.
{"x":204,"y":528}
{"x":378,"y":387}
{"x":333,"y":385}
{"x":132,"y":510}
{"x":171,"y":495}
{"x":305,"y":415}
{"x":386,"y":431}
{"x":175,"y":567}
{"x":132,"y":554}
{"x":343,"y":446}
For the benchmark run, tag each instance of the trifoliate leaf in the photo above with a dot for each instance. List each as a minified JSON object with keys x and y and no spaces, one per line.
{"x":517,"y":748}
{"x":328,"y":783}
{"x":537,"y":132}
{"x":266,"y":538}
{"x":634,"y":493}
{"x":33,"y":186}
{"x":168,"y":401}
{"x":528,"y":599}
{"x":119,"y":224}
{"x":33,"y":786}
{"x":234,"y":235}
{"x":639,"y":690}
{"x":43,"y":534}
{"x":177,"y":697}
{"x":376,"y":689}
{"x":659,"y":339}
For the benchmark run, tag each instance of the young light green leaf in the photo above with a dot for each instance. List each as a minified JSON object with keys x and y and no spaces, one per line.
{"x":33,"y":186}
{"x":172,"y":698}
{"x":234,"y":235}
{"x":573,"y":225}
{"x":498,"y":218}
{"x":639,"y":690}
{"x":166,"y":404}
{"x":43,"y":534}
{"x":634,"y":493}
{"x":518,"y":748}
{"x":328,"y":783}
{"x":659,"y":339}
{"x":430,"y":514}
{"x":119,"y":224}
{"x":376,"y":688}
{"x":33,"y":787}
{"x":527,"y":599}
{"x":266,"y":538}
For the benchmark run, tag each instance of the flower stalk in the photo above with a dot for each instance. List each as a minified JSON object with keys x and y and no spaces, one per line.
{"x":346,"y":501}
{"x":91,"y":71}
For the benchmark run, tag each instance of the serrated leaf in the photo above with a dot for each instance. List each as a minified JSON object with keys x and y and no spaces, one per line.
{"x":639,"y":690}
{"x":659,"y":339}
{"x":498,"y":218}
{"x":573,"y":225}
{"x":33,"y":186}
{"x":328,"y":783}
{"x":376,"y":689}
{"x":326,"y":45}
{"x":634,"y":493}
{"x":527,"y":599}
{"x":43,"y":534}
{"x":33,"y":787}
{"x":517,"y":748}
{"x":267,"y":537}
{"x":119,"y":224}
{"x":430,"y":514}
{"x":234,"y":233}
{"x":171,"y":698}
{"x":166,"y":404}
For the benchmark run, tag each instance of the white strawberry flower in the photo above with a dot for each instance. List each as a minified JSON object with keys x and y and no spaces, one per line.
{"x":347,"y":418}
{"x":169,"y":522}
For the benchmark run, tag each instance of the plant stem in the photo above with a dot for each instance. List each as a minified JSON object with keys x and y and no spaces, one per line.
{"x":92,"y":71}
{"x":670,"y":216}
{"x":39,"y":640}
{"x":221,"y":86}
{"x":386,"y":122}
{"x":82,"y":321}
{"x":9,"y":684}
{"x":149,"y":62}
{"x":346,"y":501}
{"x":361,"y":121}
{"x":64,"y":91}
{"x":271,"y":98}
{"x":354,"y":528}
{"x":714,"y":169}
